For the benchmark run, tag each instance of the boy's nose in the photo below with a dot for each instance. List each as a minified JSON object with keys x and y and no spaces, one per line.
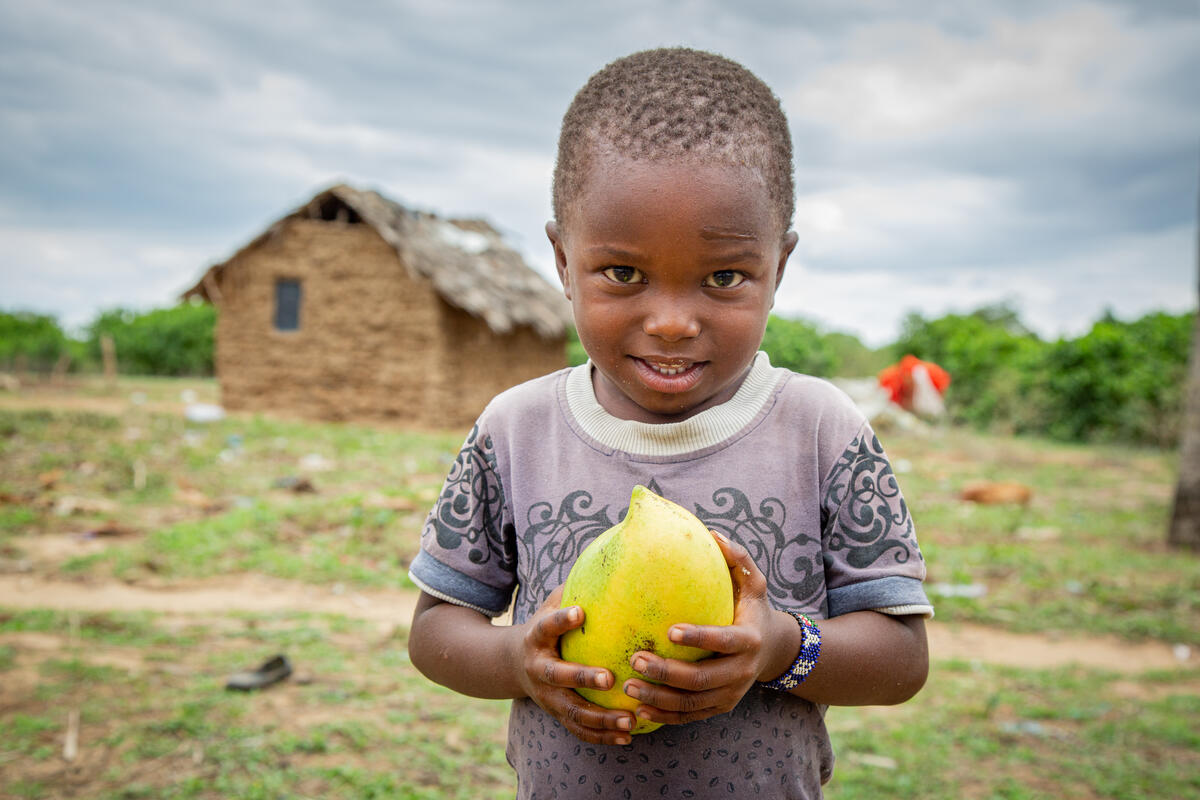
{"x":671,"y":322}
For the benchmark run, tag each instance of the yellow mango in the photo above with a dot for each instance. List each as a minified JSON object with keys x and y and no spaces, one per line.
{"x":657,"y":567}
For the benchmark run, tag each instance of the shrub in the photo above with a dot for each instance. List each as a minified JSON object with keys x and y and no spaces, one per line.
{"x":990,"y":356}
{"x":169,"y":341}
{"x":1122,"y":381}
{"x":30,"y":341}
{"x":799,"y":346}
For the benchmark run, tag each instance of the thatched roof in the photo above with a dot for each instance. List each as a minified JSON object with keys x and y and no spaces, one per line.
{"x":467,"y":260}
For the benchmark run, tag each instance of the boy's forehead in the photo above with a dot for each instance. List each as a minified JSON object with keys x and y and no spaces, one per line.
{"x":612,"y":181}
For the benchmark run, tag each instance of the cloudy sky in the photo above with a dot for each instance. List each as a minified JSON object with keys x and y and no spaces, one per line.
{"x":949,"y":154}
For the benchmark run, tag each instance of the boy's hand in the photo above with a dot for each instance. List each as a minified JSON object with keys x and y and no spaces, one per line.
{"x":550,"y":682}
{"x":688,"y":691}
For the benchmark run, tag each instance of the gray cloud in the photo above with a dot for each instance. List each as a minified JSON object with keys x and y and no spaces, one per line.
{"x":944,"y":158}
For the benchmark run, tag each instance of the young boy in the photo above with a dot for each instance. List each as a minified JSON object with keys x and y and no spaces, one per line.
{"x":673,"y":201}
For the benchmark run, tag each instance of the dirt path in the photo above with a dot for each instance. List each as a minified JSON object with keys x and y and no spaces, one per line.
{"x":249,"y":593}
{"x":257,"y":594}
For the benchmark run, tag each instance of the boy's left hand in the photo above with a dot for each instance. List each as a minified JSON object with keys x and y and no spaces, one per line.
{"x":690,"y":691}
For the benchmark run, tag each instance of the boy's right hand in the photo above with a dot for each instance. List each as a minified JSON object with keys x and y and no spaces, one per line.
{"x":551,"y":682}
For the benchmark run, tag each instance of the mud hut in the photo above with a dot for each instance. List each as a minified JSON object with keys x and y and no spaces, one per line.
{"x":355,"y":307}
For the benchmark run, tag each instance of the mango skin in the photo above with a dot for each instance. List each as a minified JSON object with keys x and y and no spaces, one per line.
{"x":657,"y":567}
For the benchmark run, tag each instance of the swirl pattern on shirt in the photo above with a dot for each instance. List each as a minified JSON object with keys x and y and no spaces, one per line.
{"x":469,"y":511}
{"x":555,"y":534}
{"x":552,"y":540}
{"x":790,"y":560}
{"x":866,"y":516}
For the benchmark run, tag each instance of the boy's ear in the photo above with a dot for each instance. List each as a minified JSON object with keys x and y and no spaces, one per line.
{"x":560,"y":256}
{"x":790,"y":239}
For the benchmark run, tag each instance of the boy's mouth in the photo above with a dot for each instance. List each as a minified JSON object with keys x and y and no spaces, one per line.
{"x":669,"y":374}
{"x":668,"y":367}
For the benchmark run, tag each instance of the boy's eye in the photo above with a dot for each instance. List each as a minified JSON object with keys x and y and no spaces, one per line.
{"x":624,"y":274}
{"x":724,"y":279}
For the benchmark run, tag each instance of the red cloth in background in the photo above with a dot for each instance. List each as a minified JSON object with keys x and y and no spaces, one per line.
{"x":898,"y":380}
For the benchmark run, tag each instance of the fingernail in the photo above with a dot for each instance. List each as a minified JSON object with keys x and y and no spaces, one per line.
{"x":602,"y":680}
{"x":639,"y":664}
{"x":632,"y":690}
{"x":625,"y":724}
{"x":675,"y":635}
{"x":623,"y":740}
{"x":573,"y":614}
{"x":721,"y":536}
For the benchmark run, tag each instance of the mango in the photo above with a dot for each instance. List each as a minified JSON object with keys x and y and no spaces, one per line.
{"x":656,"y":567}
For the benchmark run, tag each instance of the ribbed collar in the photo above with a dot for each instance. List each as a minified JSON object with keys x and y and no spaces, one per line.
{"x":710,"y":427}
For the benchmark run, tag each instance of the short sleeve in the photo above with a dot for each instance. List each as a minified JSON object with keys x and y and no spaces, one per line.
{"x":468,"y":549}
{"x":871,"y":556}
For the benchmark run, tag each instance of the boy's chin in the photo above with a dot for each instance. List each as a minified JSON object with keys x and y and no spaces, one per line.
{"x":673,"y":409}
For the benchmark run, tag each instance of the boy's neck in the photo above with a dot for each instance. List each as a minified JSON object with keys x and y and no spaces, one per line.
{"x":705,"y":428}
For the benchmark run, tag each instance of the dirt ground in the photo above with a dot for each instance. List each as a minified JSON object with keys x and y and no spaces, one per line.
{"x":251,"y":593}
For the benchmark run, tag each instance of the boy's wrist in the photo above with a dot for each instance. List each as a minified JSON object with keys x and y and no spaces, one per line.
{"x":805,"y":659}
{"x":784,"y":643}
{"x":512,"y":665}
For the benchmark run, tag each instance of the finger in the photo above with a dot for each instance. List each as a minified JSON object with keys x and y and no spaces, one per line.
{"x":659,"y":703}
{"x":549,"y":624}
{"x":668,"y":698}
{"x":588,"y":721}
{"x":569,"y":675}
{"x":667,"y":717}
{"x":700,"y":676}
{"x":726,"y":639}
{"x":589,"y":715}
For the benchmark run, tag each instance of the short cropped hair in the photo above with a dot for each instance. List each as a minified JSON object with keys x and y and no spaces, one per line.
{"x":676,"y":103}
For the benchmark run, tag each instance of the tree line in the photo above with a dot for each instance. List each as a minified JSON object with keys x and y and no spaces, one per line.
{"x":1122,"y":381}
{"x":173,"y":342}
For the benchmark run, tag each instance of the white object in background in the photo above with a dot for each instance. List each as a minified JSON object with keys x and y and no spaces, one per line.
{"x":926,"y":400}
{"x":203,"y":412}
{"x":315,"y":462}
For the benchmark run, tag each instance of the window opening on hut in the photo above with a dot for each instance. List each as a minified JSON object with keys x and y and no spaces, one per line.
{"x":287,"y":304}
{"x":329,"y":208}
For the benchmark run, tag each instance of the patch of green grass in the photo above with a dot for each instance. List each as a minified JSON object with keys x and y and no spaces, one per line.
{"x":1003,"y":732}
{"x":16,"y":519}
{"x":28,"y":788}
{"x":24,"y":732}
{"x":342,"y":543}
{"x":80,"y":671}
{"x":124,"y":628}
{"x":1087,"y":555}
{"x":361,"y":526}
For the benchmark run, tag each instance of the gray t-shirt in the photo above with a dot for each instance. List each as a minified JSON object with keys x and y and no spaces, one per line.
{"x":788,"y":467}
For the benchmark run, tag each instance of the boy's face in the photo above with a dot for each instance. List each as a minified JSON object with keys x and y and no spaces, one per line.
{"x":671,"y":269}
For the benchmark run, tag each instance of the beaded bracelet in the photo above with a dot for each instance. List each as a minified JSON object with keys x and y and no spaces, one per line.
{"x":806,"y":659}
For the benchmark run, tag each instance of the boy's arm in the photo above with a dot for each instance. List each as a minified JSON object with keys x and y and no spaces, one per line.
{"x":867,"y":658}
{"x":462,"y":650}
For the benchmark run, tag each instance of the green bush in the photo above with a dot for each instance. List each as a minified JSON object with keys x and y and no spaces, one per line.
{"x":168,"y":341}
{"x":990,"y":356}
{"x":576,"y":355}
{"x":1123,"y":381}
{"x":852,"y":358}
{"x":30,"y":341}
{"x":799,"y":346}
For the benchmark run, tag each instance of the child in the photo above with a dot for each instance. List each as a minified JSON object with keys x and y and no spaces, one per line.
{"x":673,"y":201}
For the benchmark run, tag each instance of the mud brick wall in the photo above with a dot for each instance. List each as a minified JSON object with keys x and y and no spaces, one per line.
{"x":374,"y":342}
